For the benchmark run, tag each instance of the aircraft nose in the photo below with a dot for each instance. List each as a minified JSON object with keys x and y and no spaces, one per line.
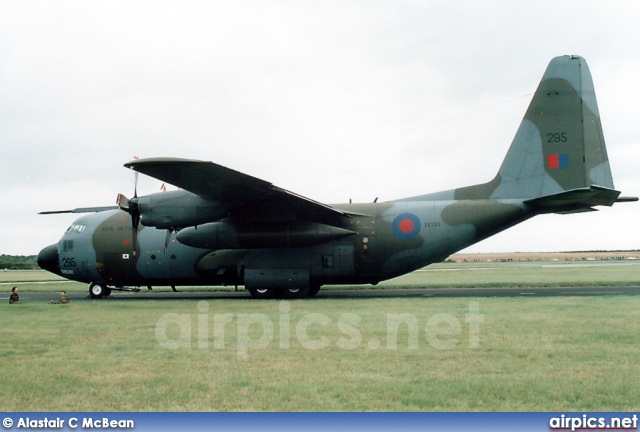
{"x":48,"y":259}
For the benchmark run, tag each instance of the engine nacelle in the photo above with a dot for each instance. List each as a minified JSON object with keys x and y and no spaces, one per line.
{"x":177,"y":209}
{"x":245,"y":235}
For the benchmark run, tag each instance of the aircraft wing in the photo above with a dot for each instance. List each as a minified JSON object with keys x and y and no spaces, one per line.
{"x":216,"y":182}
{"x":81,"y":210}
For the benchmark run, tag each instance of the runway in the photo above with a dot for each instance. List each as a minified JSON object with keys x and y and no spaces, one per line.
{"x":328,"y":293}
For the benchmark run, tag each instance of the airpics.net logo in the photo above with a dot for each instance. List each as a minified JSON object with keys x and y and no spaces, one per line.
{"x":591,"y":422}
{"x":315,"y":331}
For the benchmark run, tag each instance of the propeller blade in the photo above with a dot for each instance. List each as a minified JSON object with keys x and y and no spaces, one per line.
{"x":167,"y":240}
{"x":135,"y":223}
{"x":135,"y":180}
{"x":131,"y":207}
{"x":135,"y":184}
{"x":122,"y":202}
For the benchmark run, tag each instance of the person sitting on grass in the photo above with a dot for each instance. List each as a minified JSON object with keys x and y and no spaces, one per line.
{"x":14,"y":297}
{"x":64,"y":299}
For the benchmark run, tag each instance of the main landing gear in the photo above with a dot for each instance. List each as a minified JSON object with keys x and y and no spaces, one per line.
{"x":287,"y":293}
{"x":315,"y":289}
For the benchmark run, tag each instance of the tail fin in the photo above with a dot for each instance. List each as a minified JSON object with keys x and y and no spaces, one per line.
{"x":559,"y":145}
{"x":558,"y":159}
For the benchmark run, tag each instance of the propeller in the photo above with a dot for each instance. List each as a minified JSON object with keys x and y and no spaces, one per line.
{"x":131,"y":207}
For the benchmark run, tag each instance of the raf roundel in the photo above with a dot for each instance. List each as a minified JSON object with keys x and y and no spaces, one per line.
{"x":406,"y":226}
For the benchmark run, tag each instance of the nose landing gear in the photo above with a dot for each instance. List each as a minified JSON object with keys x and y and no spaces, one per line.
{"x":97,"y":291}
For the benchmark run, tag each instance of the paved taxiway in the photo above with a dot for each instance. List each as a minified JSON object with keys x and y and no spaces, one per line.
{"x":347,"y":294}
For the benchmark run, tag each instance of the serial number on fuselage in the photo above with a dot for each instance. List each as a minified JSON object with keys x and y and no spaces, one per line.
{"x":118,"y":228}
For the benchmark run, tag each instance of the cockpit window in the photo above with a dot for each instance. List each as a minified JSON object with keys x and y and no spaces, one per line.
{"x":77,"y":228}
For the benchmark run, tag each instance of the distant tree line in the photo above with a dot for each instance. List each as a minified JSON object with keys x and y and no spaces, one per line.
{"x":18,"y":262}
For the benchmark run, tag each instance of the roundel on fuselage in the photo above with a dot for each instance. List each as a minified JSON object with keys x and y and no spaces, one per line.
{"x":406,"y":226}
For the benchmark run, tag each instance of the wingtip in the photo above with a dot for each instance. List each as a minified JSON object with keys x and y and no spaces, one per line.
{"x":148,"y":161}
{"x":55,"y":212}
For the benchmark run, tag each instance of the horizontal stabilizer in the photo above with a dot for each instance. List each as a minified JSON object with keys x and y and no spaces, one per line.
{"x":626,"y":199}
{"x":575,"y":200}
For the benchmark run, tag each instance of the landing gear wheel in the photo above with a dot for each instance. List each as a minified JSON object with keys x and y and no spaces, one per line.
{"x":262,"y":293}
{"x":315,"y":289}
{"x":98,"y":291}
{"x":295,"y":293}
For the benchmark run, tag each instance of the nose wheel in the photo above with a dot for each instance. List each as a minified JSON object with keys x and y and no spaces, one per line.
{"x":97,"y":291}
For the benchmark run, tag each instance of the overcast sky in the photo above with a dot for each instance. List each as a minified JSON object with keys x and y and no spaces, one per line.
{"x":334,"y":100}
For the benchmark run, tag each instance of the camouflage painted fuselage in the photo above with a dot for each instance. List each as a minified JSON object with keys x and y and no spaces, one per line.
{"x":396,"y":238}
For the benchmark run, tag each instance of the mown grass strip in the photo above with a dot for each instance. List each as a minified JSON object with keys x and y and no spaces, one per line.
{"x":534,"y":354}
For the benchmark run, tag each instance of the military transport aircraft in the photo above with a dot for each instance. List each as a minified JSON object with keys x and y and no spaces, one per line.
{"x":228,"y":228}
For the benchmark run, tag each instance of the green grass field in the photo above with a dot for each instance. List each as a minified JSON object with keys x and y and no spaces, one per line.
{"x":530,"y":354}
{"x":533,"y":354}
